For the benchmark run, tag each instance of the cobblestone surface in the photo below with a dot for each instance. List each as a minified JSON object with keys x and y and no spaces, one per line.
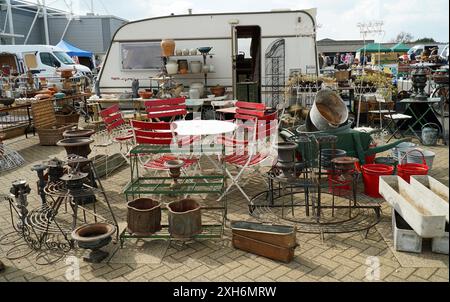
{"x":339,"y":257}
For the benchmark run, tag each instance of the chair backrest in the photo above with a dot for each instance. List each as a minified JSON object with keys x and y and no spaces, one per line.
{"x":157,"y":109}
{"x":112,"y":117}
{"x":249,"y":111}
{"x":265,"y":123}
{"x":152,"y":133}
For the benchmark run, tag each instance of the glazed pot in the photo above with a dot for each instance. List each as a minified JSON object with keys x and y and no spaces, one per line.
{"x":329,"y":110}
{"x":144,"y":216}
{"x":183,"y":66}
{"x":185,"y":219}
{"x":172,"y":67}
{"x":218,"y":90}
{"x":194,"y":93}
{"x":200,"y":87}
{"x":167,"y":47}
{"x":145,"y":94}
{"x":196,"y":67}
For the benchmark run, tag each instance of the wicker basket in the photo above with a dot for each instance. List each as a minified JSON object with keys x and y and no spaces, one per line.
{"x":49,"y":131}
{"x":50,"y":136}
{"x":72,"y":118}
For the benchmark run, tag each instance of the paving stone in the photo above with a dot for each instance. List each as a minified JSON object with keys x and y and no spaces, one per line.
{"x":443,"y":273}
{"x":339,"y":257}
{"x":136,"y":273}
{"x":425,"y":272}
{"x":403,"y":272}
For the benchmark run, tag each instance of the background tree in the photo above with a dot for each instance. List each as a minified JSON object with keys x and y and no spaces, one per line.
{"x":403,"y":37}
{"x":425,"y":40}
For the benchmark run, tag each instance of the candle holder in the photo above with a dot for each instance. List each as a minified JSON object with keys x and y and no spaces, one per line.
{"x":40,"y":169}
{"x":20,"y":190}
{"x":174,"y":167}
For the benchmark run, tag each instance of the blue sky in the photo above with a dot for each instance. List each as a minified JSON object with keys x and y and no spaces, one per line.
{"x":337,"y":19}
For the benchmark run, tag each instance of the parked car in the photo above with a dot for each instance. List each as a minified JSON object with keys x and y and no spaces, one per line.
{"x":417,"y":50}
{"x":43,"y":60}
{"x":444,"y":54}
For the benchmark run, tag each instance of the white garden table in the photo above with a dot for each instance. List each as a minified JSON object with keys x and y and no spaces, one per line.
{"x":203,"y":127}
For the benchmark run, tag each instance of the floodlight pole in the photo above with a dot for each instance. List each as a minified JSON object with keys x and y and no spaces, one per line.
{"x":44,"y":12}
{"x":10,"y":22}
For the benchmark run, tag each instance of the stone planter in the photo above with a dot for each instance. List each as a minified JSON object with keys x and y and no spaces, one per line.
{"x":185,"y":219}
{"x":425,"y":220}
{"x":93,"y":237}
{"x":405,"y":239}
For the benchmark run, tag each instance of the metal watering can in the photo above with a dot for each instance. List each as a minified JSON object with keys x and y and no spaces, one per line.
{"x":430,"y":134}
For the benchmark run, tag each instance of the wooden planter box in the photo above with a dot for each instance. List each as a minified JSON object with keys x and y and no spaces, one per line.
{"x":424,"y":219}
{"x":270,"y":241}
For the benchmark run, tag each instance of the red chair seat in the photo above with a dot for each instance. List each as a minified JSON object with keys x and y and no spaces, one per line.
{"x":241,"y":160}
{"x":158,"y":164}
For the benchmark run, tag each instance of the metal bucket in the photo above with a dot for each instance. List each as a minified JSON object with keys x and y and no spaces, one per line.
{"x":402,"y":147}
{"x":430,"y":135}
{"x":329,"y":110}
{"x":415,"y":156}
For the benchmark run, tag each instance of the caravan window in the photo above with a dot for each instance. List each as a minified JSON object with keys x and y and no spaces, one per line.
{"x":141,"y":56}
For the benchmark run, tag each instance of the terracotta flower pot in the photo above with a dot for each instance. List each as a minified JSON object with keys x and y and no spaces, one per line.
{"x":144,"y":216}
{"x":185,"y":219}
{"x":167,"y":47}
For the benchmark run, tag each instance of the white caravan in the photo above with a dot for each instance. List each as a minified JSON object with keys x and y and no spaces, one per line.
{"x":43,"y":60}
{"x":263,"y":48}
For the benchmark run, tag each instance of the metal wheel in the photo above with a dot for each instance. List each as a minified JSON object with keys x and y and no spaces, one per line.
{"x":443,"y":93}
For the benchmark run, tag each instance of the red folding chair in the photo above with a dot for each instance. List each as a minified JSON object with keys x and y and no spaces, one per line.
{"x":168,"y":109}
{"x":117,"y":130}
{"x":160,"y":136}
{"x":250,"y":146}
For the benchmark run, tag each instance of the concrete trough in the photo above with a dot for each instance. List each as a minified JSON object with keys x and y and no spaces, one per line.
{"x":440,"y":245}
{"x":425,"y":220}
{"x":436,"y":193}
{"x":405,"y":239}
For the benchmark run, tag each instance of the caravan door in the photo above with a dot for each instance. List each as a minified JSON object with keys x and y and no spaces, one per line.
{"x":246,"y":49}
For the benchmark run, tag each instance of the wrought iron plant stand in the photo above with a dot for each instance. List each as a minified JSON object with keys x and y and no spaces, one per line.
{"x":47,"y":229}
{"x":300,"y":199}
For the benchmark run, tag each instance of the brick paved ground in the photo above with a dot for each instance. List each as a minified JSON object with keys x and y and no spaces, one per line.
{"x":340,"y":257}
